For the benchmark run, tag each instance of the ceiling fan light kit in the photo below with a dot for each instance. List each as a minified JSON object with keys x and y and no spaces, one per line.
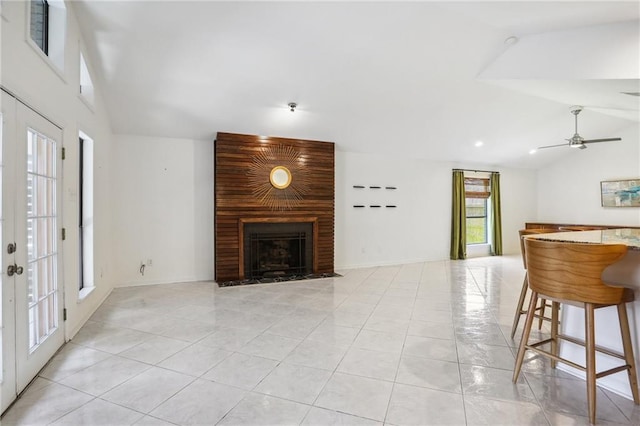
{"x":577,"y":141}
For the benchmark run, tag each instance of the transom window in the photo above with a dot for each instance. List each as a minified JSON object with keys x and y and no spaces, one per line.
{"x":86,"y":85}
{"x":47,"y":29}
{"x":40,"y":24}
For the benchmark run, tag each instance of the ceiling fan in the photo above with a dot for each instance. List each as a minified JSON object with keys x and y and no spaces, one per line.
{"x":576,"y":140}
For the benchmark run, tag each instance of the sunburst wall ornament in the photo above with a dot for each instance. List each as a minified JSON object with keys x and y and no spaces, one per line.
{"x":277,"y":178}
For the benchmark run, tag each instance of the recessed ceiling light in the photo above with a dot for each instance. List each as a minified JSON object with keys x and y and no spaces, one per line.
{"x":479,"y":143}
{"x":533,"y":151}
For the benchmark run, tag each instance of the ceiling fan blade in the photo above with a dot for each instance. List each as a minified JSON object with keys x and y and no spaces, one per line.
{"x":602,"y":140}
{"x":553,"y":146}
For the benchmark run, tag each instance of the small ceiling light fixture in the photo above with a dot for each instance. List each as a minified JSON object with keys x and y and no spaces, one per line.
{"x":511,"y":40}
{"x":479,"y":143}
{"x":292,"y":106}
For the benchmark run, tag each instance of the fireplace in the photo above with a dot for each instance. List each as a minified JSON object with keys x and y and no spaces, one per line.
{"x":245,"y":194}
{"x":277,"y":250}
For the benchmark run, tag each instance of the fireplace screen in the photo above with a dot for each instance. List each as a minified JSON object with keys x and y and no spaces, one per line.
{"x":273,"y":250}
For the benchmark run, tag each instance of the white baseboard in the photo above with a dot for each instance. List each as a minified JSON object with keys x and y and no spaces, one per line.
{"x":188,"y":279}
{"x":386,"y":263}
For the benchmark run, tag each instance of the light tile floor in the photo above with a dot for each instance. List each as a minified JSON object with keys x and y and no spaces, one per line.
{"x":418,"y":344}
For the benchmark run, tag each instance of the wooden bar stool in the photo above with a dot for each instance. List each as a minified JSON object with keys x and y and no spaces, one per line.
{"x":570,"y":273}
{"x":520,"y":310}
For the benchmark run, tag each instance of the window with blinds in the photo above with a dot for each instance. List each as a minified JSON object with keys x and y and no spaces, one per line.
{"x":40,"y":24}
{"x":48,"y":30}
{"x":476,"y":195}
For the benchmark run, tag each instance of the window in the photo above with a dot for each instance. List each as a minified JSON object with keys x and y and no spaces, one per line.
{"x":86,"y":85}
{"x":476,"y":195}
{"x":80,"y":212}
{"x":47,"y":29}
{"x":40,"y":24}
{"x":85,"y":213}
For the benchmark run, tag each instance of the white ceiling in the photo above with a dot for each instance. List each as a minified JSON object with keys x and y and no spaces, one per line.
{"x":393,"y":78}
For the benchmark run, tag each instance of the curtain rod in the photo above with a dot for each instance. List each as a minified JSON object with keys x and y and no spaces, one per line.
{"x":475,"y":171}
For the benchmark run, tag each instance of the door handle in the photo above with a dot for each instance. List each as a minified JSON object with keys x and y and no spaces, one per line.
{"x":14,"y":269}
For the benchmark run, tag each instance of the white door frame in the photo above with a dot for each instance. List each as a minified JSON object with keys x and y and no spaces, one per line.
{"x":23,"y":364}
{"x":8,"y":388}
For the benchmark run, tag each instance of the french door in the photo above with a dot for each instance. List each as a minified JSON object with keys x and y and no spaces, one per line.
{"x":30,"y":252}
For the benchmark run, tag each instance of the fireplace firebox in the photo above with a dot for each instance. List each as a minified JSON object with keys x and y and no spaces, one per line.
{"x":274,"y":250}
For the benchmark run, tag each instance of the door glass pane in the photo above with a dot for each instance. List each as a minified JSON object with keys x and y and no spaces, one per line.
{"x":42,"y":240}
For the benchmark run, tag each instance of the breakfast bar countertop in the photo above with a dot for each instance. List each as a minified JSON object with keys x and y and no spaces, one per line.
{"x":627,"y":236}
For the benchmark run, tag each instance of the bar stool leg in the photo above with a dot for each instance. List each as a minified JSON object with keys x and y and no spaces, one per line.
{"x":525,"y":335}
{"x":628,"y":351}
{"x":555,"y":309}
{"x":543,"y":307}
{"x":519,"y":311}
{"x":590,"y":349}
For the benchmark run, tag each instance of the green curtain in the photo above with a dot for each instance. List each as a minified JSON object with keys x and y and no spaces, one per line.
{"x":458,"y":218}
{"x":496,"y":215}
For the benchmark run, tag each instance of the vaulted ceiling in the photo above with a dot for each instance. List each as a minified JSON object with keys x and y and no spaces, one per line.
{"x":419,"y":79}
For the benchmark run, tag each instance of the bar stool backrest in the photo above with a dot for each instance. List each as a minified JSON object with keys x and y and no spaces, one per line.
{"x":572,"y":271}
{"x":524,"y":232}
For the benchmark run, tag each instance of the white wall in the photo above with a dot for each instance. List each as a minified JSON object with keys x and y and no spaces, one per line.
{"x":163,"y":209}
{"x":31,"y":76}
{"x":519,"y":205}
{"x":419,"y":228}
{"x":569,"y":190}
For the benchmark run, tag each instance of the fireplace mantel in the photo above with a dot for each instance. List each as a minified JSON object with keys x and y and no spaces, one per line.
{"x":243,"y":221}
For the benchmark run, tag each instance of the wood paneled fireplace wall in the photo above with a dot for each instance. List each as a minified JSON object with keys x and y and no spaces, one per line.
{"x":246,"y":193}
